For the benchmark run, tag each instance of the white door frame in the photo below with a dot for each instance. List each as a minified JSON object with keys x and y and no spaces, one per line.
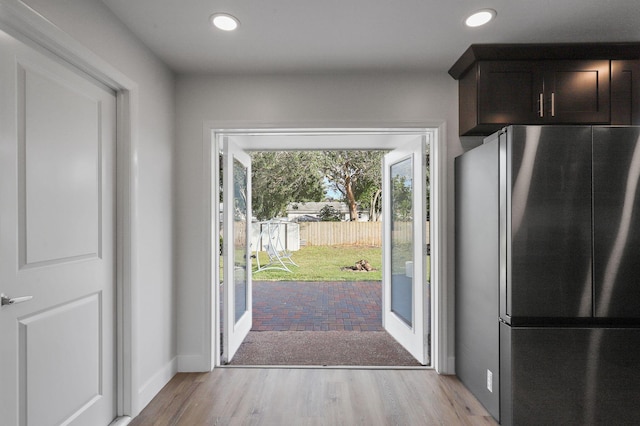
{"x":211,"y":129}
{"x":23,"y":23}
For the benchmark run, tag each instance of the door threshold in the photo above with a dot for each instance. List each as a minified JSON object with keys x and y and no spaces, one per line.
{"x":331,"y":367}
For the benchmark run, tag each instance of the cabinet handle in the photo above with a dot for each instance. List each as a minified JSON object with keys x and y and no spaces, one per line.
{"x":553,"y":104}
{"x":541,"y":105}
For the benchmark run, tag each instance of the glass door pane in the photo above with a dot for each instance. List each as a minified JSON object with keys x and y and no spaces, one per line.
{"x":402,"y":240}
{"x":236,"y":248}
{"x":240,"y":266}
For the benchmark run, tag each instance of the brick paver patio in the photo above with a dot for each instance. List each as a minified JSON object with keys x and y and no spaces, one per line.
{"x":317,"y":306}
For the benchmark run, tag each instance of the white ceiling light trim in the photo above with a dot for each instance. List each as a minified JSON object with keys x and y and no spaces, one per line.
{"x":224,"y":21}
{"x":480,"y":18}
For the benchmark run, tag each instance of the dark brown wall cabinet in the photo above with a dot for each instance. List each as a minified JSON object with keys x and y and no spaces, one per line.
{"x":546,"y":84}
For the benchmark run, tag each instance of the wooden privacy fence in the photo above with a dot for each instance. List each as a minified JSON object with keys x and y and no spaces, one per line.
{"x":348,"y":233}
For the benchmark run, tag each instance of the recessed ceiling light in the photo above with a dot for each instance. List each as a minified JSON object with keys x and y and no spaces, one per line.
{"x":481,"y":17}
{"x":224,"y":21}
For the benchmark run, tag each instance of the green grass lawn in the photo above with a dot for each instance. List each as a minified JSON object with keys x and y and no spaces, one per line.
{"x":325,"y":263}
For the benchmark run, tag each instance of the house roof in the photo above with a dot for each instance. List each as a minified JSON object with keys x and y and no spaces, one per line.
{"x":315,"y":207}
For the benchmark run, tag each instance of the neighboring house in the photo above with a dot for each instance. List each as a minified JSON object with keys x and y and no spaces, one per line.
{"x":305,"y":212}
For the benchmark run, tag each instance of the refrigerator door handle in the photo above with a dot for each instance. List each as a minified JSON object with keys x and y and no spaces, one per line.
{"x":504,"y":304}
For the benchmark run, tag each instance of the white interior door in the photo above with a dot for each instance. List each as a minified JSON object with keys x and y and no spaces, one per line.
{"x":57,"y":242}
{"x":237,"y":248}
{"x":405,"y":286}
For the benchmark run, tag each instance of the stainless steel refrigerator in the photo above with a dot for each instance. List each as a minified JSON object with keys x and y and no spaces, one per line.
{"x":548,"y":274}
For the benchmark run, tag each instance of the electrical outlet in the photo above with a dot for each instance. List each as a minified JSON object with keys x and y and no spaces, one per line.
{"x":490,"y":380}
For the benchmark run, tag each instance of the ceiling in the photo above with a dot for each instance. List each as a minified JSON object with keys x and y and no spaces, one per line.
{"x":356,"y":35}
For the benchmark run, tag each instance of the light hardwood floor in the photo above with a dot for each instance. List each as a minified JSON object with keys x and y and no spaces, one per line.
{"x":274,"y":396}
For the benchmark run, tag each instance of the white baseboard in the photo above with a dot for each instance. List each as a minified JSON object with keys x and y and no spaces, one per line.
{"x":121,"y":421}
{"x":191,"y":364}
{"x":451,"y":365}
{"x":151,"y":387}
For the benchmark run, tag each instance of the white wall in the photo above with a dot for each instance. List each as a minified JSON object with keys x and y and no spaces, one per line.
{"x":268,"y":99}
{"x":91,"y":23}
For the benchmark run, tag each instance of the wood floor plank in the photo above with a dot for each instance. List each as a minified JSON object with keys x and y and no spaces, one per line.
{"x":270,"y":396}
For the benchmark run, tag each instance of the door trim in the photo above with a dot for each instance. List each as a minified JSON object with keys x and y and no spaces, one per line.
{"x":439,"y":314}
{"x":31,"y":28}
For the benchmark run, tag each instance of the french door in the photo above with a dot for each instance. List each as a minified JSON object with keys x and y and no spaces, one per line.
{"x":406,"y":278}
{"x":236,"y":248}
{"x":405,"y":285}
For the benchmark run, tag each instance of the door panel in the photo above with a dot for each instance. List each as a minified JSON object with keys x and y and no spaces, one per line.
{"x":549,"y":177}
{"x":577,"y":91}
{"x":616,"y":211}
{"x":625,"y":92}
{"x":404,"y":247}
{"x":57,"y":242}
{"x":508,"y":92}
{"x":237,"y":251}
{"x":59,"y":196}
{"x":582,"y":376}
{"x":58,"y":342}
{"x":402,"y":256}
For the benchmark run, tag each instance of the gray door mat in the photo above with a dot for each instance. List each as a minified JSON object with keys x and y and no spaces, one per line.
{"x":326,"y":348}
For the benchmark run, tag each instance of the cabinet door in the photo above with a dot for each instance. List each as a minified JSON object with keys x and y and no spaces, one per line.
{"x":576,"y":92}
{"x":625,"y":92}
{"x":508,"y":92}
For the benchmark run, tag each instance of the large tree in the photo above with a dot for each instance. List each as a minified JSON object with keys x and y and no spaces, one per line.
{"x":281,"y":177}
{"x":368,"y":189}
{"x":356,"y":175}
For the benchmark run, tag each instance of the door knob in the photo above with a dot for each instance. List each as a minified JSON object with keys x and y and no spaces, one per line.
{"x":6,"y":300}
